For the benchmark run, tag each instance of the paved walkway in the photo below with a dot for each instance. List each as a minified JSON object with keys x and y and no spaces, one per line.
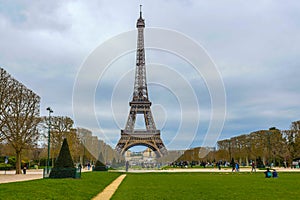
{"x":11,"y":176}
{"x":31,"y":174}
{"x":175,"y":170}
{"x":107,"y":193}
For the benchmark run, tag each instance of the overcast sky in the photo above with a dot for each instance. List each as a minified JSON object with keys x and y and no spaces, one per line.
{"x":254,"y":45}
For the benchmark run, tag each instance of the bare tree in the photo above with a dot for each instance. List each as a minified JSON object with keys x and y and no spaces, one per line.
{"x":19,"y":115}
{"x":6,"y":86}
{"x":62,"y":127}
{"x":295,"y":127}
{"x":224,"y":150}
{"x":292,"y":138}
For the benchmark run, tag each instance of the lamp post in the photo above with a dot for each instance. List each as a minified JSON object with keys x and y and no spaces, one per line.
{"x":269,"y":147}
{"x":49,"y":127}
{"x":229,"y":149}
{"x":83,"y":160}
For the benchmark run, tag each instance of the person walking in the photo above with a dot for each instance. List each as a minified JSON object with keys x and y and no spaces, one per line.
{"x":127,"y":166}
{"x":24,"y":169}
{"x":237,"y":166}
{"x":219,"y":165}
{"x":253,"y":167}
{"x":233,"y":167}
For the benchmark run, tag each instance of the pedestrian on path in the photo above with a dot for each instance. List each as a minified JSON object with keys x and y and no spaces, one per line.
{"x":127,"y":166}
{"x":237,"y":167}
{"x":219,"y":165}
{"x":24,"y":169}
{"x":253,"y":167}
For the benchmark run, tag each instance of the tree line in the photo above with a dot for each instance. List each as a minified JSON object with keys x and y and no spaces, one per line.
{"x":264,"y":147}
{"x":24,"y":133}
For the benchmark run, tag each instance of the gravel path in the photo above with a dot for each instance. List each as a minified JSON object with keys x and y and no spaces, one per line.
{"x":107,"y":193}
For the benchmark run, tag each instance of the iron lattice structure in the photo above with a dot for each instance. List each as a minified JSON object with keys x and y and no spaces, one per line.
{"x":140,"y":104}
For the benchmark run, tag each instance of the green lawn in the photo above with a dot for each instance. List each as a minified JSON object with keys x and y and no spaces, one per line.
{"x":208,"y":186}
{"x":88,"y":186}
{"x":160,"y":186}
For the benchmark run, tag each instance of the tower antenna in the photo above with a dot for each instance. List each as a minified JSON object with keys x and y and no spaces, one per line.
{"x":140,"y":11}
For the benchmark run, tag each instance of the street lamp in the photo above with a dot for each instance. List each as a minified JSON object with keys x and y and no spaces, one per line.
{"x":49,"y":127}
{"x":229,"y":149}
{"x":83,"y":142}
{"x":269,"y":147}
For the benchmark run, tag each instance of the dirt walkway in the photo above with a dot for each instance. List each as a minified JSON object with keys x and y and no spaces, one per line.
{"x":107,"y":193}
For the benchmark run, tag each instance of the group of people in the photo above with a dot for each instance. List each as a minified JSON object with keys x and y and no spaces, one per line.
{"x":269,"y":174}
{"x":235,"y":167}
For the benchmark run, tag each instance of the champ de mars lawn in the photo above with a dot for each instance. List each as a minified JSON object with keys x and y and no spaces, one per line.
{"x":160,"y":186}
{"x":209,"y":186}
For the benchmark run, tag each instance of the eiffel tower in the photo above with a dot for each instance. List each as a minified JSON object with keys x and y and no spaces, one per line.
{"x":140,"y":105}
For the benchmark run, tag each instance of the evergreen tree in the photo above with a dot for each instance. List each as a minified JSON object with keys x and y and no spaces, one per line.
{"x":99,"y":166}
{"x":64,"y":165}
{"x":64,"y":159}
{"x":101,"y":158}
{"x":114,"y":163}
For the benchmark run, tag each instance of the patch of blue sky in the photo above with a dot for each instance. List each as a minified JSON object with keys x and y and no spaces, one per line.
{"x":13,"y":10}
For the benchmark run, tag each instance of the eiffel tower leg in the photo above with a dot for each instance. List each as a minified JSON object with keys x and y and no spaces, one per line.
{"x":131,"y":119}
{"x":149,"y":121}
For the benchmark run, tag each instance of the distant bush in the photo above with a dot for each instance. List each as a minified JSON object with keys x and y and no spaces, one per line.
{"x":99,"y":166}
{"x":4,"y":166}
{"x":63,"y":173}
{"x":11,"y":160}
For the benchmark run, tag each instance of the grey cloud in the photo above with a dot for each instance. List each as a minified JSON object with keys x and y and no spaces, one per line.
{"x":255,"y":45}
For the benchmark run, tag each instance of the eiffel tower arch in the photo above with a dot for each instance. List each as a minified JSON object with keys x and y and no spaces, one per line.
{"x":140,"y":105}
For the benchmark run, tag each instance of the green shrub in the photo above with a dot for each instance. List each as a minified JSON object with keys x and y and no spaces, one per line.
{"x":11,"y":160}
{"x":4,"y":166}
{"x":63,"y":173}
{"x":99,"y":166}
